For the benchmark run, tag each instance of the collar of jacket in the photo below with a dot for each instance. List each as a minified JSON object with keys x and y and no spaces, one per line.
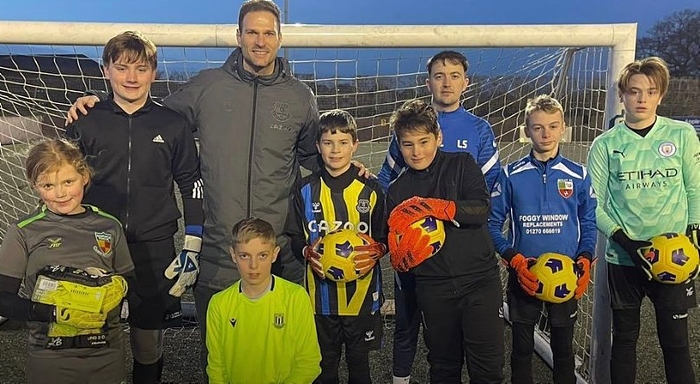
{"x":455,"y":112}
{"x":544,"y":164}
{"x":342,"y":181}
{"x":117,"y":109}
{"x":234,"y":67}
{"x":433,"y":168}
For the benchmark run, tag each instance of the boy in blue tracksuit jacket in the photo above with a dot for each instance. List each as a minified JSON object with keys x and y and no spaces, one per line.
{"x":551,"y":206}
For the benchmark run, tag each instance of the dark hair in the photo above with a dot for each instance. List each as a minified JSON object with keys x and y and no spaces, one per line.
{"x":259,"y":6}
{"x":252,"y":228}
{"x":452,"y":57}
{"x":131,"y":47}
{"x":414,"y":115}
{"x":337,"y":120}
{"x":49,"y":155}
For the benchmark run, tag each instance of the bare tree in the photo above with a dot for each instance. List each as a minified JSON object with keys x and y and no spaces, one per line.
{"x":676,"y":39}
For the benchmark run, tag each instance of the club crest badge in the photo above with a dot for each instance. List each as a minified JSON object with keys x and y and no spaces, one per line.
{"x":362,"y":206}
{"x":281,"y":111}
{"x":565,"y":187}
{"x":104,"y":244}
{"x":667,"y":149}
{"x":279,"y":320}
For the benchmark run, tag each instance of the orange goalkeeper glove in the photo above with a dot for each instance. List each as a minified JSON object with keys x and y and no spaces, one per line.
{"x":313,"y":258}
{"x":417,"y":208}
{"x":528,"y":281}
{"x":583,"y":264}
{"x":366,"y":256}
{"x":412,"y":249}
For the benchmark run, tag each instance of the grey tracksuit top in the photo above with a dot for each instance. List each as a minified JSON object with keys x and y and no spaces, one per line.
{"x":254,"y":133}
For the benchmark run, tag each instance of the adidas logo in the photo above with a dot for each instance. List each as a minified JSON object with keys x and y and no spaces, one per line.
{"x":158,"y":139}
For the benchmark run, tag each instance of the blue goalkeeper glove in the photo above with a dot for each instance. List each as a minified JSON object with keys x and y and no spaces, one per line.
{"x":185,"y":266}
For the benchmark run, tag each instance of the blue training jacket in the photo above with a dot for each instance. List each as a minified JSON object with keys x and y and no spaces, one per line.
{"x":462,"y":131}
{"x":551,"y":208}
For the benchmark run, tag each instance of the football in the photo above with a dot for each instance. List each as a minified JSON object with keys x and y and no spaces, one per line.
{"x":557,"y":277}
{"x":673,"y":258}
{"x":338,"y":254}
{"x":433,"y":228}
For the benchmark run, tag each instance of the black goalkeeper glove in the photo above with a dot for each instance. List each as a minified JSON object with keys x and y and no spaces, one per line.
{"x":693,"y":232}
{"x":636,"y":249}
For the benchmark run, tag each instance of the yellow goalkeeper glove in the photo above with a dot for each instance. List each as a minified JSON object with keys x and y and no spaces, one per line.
{"x":79,"y":319}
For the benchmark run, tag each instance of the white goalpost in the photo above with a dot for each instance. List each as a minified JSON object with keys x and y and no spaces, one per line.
{"x":367,"y":70}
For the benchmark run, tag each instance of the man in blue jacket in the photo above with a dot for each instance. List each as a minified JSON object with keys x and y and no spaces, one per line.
{"x":462,"y":131}
{"x":551,"y":207}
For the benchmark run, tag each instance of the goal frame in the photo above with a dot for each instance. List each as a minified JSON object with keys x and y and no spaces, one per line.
{"x":620,"y":38}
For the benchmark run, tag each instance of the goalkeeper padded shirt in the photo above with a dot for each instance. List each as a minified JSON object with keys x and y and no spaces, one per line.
{"x":462,"y":131}
{"x":271,"y":339}
{"x":89,"y":239}
{"x":550,"y":206}
{"x":323,"y":204}
{"x":648,"y":185}
{"x":468,"y":250}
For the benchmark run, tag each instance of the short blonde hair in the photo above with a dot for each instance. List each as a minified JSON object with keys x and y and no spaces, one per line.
{"x":252,"y":228}
{"x":655,"y":68}
{"x":543,"y":103}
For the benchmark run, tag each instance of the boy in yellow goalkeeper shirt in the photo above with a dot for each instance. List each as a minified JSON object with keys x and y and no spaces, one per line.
{"x":262,"y":320}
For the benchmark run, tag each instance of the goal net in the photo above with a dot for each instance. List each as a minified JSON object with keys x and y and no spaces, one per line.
{"x":367,"y":70}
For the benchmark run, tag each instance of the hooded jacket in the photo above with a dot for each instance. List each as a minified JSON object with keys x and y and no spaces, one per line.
{"x":254,"y":132}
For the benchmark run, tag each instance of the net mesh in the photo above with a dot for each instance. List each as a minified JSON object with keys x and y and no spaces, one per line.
{"x":38,"y":84}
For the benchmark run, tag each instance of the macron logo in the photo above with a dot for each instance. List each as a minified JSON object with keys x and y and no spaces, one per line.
{"x":158,"y":139}
{"x":233,"y":322}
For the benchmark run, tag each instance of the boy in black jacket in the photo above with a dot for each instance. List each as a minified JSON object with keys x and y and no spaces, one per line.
{"x":137,"y":149}
{"x":458,"y":289}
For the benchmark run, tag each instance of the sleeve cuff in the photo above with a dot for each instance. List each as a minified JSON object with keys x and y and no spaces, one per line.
{"x":509,"y":254}
{"x":585,"y":255}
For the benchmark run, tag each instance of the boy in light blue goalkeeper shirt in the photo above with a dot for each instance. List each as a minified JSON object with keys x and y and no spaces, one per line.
{"x":646,"y":173}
